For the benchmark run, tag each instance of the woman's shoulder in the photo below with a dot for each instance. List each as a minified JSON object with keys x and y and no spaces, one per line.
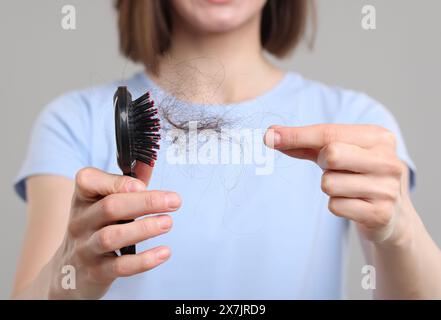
{"x":332,"y":103}
{"x":85,"y":100}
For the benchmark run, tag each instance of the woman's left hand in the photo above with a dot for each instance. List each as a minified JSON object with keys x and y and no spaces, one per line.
{"x":362,"y":174}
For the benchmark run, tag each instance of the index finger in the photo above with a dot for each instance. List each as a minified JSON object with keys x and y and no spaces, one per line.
{"x":127,"y":206}
{"x":318,"y":136}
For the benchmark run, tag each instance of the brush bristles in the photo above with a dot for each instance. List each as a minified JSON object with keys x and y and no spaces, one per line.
{"x":144,"y":130}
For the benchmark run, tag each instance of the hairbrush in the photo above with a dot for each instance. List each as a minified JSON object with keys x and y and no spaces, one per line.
{"x":137,"y":136}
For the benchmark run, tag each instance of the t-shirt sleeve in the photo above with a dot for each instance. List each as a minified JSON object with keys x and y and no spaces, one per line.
{"x":58,"y":142}
{"x":366,"y":110}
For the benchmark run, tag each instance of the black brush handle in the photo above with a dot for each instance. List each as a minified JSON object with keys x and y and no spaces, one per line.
{"x":132,"y":248}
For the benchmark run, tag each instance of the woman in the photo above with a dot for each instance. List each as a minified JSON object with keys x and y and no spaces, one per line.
{"x":239,"y":232}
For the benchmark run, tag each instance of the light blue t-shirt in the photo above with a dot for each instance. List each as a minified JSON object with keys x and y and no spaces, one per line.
{"x":256,"y":229}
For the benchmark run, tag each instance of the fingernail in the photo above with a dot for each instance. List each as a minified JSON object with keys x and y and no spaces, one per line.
{"x":135,"y":186}
{"x":173,"y":200}
{"x":272,"y":138}
{"x":163,"y":254}
{"x":164,"y":222}
{"x":277,"y":139}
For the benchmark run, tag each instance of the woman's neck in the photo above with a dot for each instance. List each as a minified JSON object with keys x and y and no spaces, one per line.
{"x":216,"y":67}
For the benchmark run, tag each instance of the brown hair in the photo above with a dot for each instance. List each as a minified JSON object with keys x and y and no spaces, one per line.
{"x":145,"y":27}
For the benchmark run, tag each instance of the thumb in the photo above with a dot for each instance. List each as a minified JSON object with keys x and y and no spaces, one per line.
{"x":143,"y":172}
{"x":302,"y":153}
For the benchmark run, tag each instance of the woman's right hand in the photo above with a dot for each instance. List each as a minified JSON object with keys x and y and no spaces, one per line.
{"x":101,"y":200}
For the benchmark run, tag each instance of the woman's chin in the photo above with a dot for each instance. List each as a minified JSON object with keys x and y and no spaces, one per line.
{"x":219,"y":1}
{"x":218,"y":27}
{"x":216,"y":16}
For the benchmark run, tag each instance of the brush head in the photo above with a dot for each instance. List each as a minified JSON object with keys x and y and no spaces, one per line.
{"x":137,"y":130}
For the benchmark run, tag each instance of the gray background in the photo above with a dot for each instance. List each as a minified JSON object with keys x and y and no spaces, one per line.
{"x":399,"y":64}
